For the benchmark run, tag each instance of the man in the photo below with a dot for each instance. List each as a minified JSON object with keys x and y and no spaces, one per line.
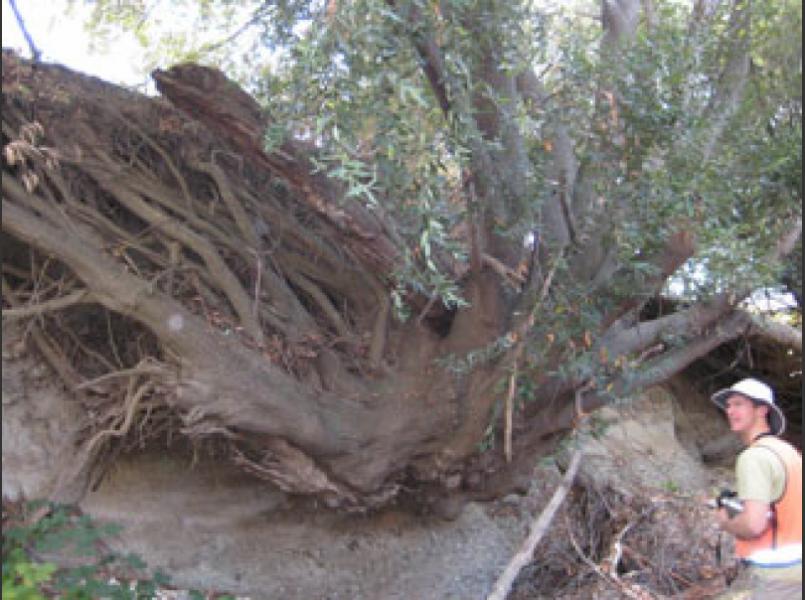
{"x":768,"y":473}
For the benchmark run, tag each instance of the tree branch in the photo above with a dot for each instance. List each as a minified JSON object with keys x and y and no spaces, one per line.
{"x":563,"y":208}
{"x":681,"y":323}
{"x":619,"y":341}
{"x":733,"y":79}
{"x":429,"y":52}
{"x":672,"y":362}
{"x":620,"y":19}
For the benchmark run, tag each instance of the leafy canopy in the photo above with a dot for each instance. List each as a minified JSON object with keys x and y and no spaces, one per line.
{"x":346,"y":75}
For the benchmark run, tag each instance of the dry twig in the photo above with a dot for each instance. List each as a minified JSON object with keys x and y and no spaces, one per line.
{"x":509,"y":409}
{"x":608,"y":569}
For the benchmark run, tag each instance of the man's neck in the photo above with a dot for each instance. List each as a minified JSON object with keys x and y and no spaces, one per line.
{"x":751,"y":435}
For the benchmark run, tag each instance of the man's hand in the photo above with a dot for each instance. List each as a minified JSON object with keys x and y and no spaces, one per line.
{"x":747,"y":525}
{"x":722,"y":518}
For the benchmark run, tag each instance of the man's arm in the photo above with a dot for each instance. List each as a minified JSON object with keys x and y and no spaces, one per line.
{"x":749,"y":523}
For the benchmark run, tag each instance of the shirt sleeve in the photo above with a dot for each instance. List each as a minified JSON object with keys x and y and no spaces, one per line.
{"x":759,"y":475}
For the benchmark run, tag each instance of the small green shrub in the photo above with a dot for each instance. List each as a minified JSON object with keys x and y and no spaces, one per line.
{"x":671,"y":486}
{"x":28,"y":576}
{"x":21,"y":577}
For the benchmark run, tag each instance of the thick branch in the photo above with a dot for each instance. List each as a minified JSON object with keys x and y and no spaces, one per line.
{"x":429,"y":52}
{"x":552,"y":419}
{"x":556,"y":218}
{"x":620,"y":19}
{"x":499,"y":172}
{"x":619,"y":341}
{"x":731,"y":85}
{"x":670,"y":363}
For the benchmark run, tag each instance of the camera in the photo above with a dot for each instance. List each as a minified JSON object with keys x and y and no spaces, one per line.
{"x":727,"y":499}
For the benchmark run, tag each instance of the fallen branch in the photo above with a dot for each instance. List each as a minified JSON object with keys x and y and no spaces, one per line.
{"x":538,"y":529}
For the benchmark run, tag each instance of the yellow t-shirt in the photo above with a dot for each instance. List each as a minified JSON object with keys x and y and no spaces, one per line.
{"x":760,"y":475}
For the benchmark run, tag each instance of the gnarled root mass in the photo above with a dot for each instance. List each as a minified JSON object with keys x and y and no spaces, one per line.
{"x":175,"y":286}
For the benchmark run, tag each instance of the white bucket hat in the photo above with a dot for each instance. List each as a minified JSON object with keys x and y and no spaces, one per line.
{"x":757,"y":391}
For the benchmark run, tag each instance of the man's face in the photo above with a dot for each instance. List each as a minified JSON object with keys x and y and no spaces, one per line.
{"x":743,"y":414}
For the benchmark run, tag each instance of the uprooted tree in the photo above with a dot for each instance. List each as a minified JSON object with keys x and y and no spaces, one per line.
{"x":435,"y":244}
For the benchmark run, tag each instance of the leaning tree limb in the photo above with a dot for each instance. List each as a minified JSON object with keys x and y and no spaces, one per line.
{"x":538,"y":529}
{"x":667,"y":364}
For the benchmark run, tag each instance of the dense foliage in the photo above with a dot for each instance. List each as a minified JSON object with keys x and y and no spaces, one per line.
{"x":347,"y":75}
{"x":36,"y":536}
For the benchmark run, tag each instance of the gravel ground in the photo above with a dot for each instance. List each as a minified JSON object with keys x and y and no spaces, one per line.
{"x":215,"y":530}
